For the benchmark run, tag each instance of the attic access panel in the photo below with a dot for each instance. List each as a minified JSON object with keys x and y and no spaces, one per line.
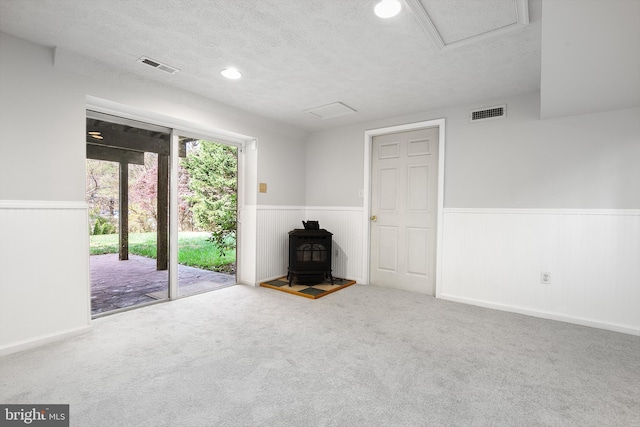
{"x":330,"y":111}
{"x":456,"y":22}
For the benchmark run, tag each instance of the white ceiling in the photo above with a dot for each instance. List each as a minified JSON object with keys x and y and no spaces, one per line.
{"x":296,"y":55}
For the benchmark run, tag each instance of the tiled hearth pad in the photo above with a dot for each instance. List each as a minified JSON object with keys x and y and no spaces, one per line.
{"x":308,"y":291}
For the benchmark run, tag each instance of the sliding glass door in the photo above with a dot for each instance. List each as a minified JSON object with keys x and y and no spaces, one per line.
{"x":127,"y":194}
{"x":163,"y":211}
{"x":207,"y":186}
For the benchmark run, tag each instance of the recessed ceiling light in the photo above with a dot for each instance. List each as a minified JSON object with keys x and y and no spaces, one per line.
{"x":387,"y":8}
{"x":231,"y":73}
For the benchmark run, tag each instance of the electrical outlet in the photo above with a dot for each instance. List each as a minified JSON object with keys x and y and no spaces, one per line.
{"x":545,"y":278}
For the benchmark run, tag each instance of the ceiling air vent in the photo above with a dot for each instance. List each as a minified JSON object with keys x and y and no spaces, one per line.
{"x":160,"y":66}
{"x":497,"y":112}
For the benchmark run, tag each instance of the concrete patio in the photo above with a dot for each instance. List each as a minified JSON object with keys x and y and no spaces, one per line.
{"x":119,"y":284}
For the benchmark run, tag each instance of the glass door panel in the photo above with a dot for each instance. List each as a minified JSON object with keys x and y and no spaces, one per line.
{"x":127,"y":194}
{"x":207,"y":210}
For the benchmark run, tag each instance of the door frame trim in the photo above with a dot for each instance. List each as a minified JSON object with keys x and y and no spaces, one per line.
{"x":368,"y":140}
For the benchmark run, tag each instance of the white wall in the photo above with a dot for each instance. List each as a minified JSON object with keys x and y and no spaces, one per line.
{"x":42,"y":150}
{"x":335,"y":167}
{"x":42,"y":159}
{"x":590,"y":56}
{"x":578,"y":174}
{"x":587,"y":161}
{"x":578,"y":162}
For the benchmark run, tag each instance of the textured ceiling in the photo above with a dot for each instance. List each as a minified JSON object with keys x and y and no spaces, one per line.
{"x":298,"y":54}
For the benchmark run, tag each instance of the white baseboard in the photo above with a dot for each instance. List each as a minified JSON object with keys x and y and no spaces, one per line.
{"x":38,"y":342}
{"x":545,"y":315}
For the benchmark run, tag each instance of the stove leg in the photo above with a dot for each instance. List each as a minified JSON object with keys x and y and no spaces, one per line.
{"x":330,"y":277}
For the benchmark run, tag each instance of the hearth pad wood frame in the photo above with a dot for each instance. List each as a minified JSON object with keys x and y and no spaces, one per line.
{"x":314,"y":291}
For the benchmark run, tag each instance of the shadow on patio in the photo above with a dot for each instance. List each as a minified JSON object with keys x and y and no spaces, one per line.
{"x":118,"y":284}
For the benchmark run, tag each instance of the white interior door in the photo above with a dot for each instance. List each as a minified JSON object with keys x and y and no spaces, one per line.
{"x":404,"y":197}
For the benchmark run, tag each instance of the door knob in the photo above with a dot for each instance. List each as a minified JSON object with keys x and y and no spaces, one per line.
{"x":374,"y":218}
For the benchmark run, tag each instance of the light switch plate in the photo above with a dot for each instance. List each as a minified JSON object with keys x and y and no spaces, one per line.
{"x":263,"y":187}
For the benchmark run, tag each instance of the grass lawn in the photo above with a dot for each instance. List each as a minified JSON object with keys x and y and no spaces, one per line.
{"x":193,"y":249}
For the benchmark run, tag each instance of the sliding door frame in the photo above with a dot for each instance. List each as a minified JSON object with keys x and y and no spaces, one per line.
{"x":174,"y":161}
{"x":177,"y":129}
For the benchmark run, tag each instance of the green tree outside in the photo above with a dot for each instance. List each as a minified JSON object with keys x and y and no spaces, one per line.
{"x":213,"y":169}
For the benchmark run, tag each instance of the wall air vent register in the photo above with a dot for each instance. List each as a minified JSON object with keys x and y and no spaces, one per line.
{"x":488,"y":113}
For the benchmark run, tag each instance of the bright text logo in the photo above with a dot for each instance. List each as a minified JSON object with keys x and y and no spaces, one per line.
{"x":34,"y":415}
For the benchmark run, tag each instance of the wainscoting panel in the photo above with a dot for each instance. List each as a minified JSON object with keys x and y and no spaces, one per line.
{"x":346,"y":226}
{"x":273,"y":225}
{"x":495,"y":258}
{"x":44,"y":272}
{"x":275,"y":222}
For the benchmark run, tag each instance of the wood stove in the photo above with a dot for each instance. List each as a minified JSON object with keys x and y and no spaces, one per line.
{"x":309,"y":255}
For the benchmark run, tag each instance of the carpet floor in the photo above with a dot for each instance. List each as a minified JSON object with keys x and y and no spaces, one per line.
{"x":364,"y":356}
